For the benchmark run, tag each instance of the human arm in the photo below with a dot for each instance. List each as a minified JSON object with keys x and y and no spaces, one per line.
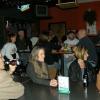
{"x":84,"y":64}
{"x":9,"y":89}
{"x":29,"y":44}
{"x":74,"y":71}
{"x":11,"y":69}
{"x":53,"y":83}
{"x":31,"y":73}
{"x":35,"y":79}
{"x":6,"y":51}
{"x":17,"y":56}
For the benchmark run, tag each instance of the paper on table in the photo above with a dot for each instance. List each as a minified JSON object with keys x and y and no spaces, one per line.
{"x":63,"y":84}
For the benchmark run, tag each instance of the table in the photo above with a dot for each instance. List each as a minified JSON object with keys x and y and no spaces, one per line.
{"x":62,"y":53}
{"x":39,"y":92}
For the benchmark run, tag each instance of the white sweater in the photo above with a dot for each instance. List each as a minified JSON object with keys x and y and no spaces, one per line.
{"x":71,"y":42}
{"x":9,"y":49}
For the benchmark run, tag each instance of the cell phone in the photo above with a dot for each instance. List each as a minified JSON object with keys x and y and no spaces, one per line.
{"x":13,"y":62}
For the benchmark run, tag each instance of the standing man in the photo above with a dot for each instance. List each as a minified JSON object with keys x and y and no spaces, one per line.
{"x":84,"y":41}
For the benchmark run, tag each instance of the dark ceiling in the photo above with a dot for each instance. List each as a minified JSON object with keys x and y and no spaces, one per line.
{"x":14,"y":3}
{"x":8,"y":8}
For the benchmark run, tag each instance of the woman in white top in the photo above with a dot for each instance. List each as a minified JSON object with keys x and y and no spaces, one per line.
{"x":9,"y":50}
{"x":71,"y":39}
{"x":70,"y":43}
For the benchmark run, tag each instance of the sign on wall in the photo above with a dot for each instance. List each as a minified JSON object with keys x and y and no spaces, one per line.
{"x":91,"y":29}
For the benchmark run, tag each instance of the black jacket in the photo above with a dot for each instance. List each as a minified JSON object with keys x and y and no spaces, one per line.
{"x":75,"y":73}
{"x":88,"y":44}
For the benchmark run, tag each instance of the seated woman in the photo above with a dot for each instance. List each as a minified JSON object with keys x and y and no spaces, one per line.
{"x":9,"y":50}
{"x":37,"y":69}
{"x":76,"y":69}
{"x":9,"y":89}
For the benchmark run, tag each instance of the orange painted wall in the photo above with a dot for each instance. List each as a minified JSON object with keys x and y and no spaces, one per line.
{"x":72,"y":17}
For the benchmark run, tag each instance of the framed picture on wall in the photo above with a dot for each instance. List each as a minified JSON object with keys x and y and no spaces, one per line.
{"x":59,"y":28}
{"x":91,"y":29}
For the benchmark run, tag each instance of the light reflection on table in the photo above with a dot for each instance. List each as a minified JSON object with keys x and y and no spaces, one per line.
{"x":39,"y":92}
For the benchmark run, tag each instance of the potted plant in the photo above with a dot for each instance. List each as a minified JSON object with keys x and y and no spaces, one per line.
{"x":90,"y":16}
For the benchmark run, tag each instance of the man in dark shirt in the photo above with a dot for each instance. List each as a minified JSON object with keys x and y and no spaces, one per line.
{"x":84,"y":41}
{"x":23,"y":42}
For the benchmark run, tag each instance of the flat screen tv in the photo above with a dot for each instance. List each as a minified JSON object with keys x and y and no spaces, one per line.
{"x":67,"y":3}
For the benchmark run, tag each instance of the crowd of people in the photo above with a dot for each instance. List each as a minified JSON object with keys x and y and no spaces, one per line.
{"x":43,"y":56}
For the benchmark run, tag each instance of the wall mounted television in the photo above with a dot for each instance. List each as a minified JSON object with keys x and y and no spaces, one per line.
{"x":67,"y":3}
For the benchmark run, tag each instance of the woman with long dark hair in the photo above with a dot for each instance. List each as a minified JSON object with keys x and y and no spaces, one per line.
{"x":37,"y":69}
{"x":9,"y":50}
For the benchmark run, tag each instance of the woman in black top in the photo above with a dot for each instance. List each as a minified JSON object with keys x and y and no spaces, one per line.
{"x":76,"y":69}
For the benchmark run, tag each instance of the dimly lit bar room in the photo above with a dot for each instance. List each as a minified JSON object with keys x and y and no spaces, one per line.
{"x":49,"y":50}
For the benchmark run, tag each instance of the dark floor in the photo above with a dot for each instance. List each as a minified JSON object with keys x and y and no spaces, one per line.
{"x":39,"y":92}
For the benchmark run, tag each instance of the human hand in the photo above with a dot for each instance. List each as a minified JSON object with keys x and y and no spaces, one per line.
{"x":53,"y":83}
{"x":62,"y":48}
{"x":81,"y":63}
{"x":12,"y":68}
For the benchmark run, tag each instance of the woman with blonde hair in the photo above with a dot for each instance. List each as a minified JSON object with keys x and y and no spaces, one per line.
{"x":76,"y":69}
{"x":37,"y":69}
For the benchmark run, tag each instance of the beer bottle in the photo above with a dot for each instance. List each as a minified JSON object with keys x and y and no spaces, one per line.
{"x":85,"y":78}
